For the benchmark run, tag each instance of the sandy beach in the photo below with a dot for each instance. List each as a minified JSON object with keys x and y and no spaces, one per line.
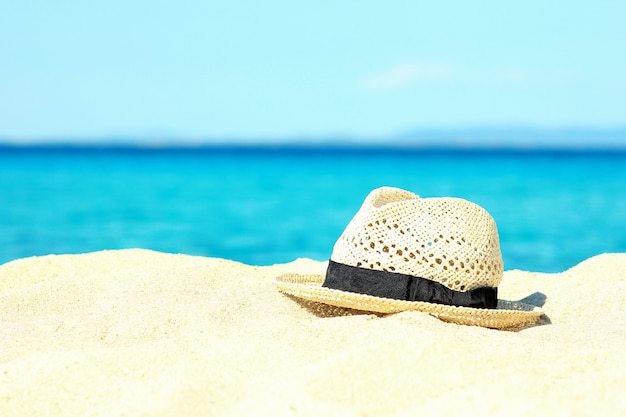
{"x":136,"y":332}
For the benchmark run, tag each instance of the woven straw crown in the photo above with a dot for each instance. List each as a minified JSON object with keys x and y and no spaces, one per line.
{"x":448,"y":240}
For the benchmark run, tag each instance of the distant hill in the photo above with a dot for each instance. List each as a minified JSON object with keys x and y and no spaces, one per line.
{"x":522,"y":137}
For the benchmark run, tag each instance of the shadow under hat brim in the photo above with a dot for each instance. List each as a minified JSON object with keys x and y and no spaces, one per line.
{"x":507,"y":315}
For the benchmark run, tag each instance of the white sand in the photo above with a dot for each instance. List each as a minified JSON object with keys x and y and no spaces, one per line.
{"x":136,"y":332}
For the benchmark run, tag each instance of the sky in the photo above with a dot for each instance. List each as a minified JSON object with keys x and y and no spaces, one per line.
{"x":284,"y":70}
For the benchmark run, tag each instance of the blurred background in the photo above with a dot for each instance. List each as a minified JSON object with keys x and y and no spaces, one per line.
{"x":254,"y":130}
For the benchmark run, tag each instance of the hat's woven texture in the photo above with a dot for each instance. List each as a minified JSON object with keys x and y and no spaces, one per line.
{"x":448,"y":240}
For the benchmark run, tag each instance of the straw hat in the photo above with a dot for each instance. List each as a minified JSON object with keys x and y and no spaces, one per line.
{"x":402,"y":252}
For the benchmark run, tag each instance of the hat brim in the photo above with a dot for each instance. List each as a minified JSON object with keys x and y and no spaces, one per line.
{"x":508,"y":314}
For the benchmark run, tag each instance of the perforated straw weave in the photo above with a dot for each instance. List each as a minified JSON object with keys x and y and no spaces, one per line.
{"x":448,"y":240}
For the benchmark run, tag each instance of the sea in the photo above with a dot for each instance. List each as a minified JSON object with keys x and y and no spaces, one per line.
{"x":263,"y":205}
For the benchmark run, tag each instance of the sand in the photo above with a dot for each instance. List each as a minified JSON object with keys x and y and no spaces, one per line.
{"x":136,"y":332}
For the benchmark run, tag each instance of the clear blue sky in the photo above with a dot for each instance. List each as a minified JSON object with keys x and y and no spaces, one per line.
{"x":278,"y":69}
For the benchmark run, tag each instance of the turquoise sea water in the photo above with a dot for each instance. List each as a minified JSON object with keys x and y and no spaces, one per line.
{"x":270,"y":205}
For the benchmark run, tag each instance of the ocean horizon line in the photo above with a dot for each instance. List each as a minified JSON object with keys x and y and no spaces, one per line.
{"x":305,"y":148}
{"x":481,"y":139}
